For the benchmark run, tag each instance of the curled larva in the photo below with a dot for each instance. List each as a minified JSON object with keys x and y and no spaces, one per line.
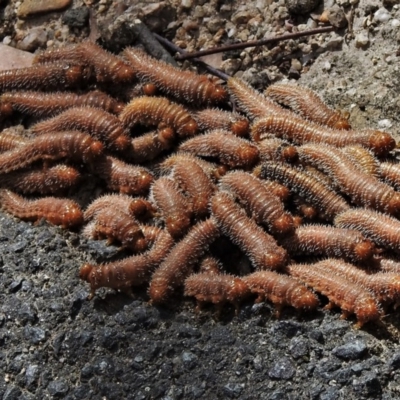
{"x":265,"y":208}
{"x":52,"y":180}
{"x":364,"y":159}
{"x":311,"y":189}
{"x":382,"y":229}
{"x":384,"y":285}
{"x":183,"y":85}
{"x":196,"y":184}
{"x":10,"y":140}
{"x":329,"y":242}
{"x":275,"y":149}
{"x":44,"y":77}
{"x":150,"y":145}
{"x":40,"y":104}
{"x":177,"y":266}
{"x":350,"y":297}
{"x":131,"y":271}
{"x":259,"y":246}
{"x":281,"y":290}
{"x":57,"y":211}
{"x":252,"y":102}
{"x":160,"y":112}
{"x":300,"y":131}
{"x":71,"y":145}
{"x":116,"y":225}
{"x":98,"y":123}
{"x":108,"y":68}
{"x":307,"y":103}
{"x":363,"y":189}
{"x":173,"y":206}
{"x":227,"y":148}
{"x":122,"y":177}
{"x":217,"y":289}
{"x":214,"y":118}
{"x":390,"y":173}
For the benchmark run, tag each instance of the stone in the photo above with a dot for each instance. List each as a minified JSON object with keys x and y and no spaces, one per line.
{"x":76,"y":18}
{"x":32,"y":7}
{"x":36,"y":38}
{"x":282,"y":369}
{"x":350,"y":351}
{"x":12,"y":58}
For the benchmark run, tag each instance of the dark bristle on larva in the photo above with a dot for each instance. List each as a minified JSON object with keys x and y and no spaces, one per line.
{"x":185,"y":189}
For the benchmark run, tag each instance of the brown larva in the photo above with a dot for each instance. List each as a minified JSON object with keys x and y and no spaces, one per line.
{"x":108,"y":68}
{"x":122,"y":177}
{"x":363,"y":189}
{"x":350,"y":297}
{"x":116,"y":225}
{"x":41,"y":104}
{"x":308,"y":104}
{"x":10,"y":140}
{"x":227,"y":148}
{"x":131,"y":271}
{"x":307,"y":187}
{"x":265,"y":208}
{"x":252,"y":102}
{"x":99,"y":123}
{"x":57,"y":211}
{"x":160,"y":112}
{"x":44,"y":77}
{"x":214,"y":118}
{"x":329,"y":242}
{"x":389,"y":265}
{"x":364,"y":159}
{"x":300,"y":131}
{"x":382,"y":229}
{"x":72,"y":145}
{"x":44,"y":181}
{"x":384,"y":285}
{"x":177,"y":266}
{"x":183,"y":85}
{"x":217,"y":289}
{"x":390,"y":173}
{"x":275,"y":149}
{"x":194,"y":181}
{"x":259,"y":246}
{"x":173,"y":205}
{"x":281,"y":290}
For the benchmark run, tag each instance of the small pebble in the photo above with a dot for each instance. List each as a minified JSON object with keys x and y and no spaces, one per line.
{"x":350,"y":351}
{"x":31,"y":7}
{"x":382,"y":15}
{"x":362,"y":40}
{"x":301,"y":6}
{"x":282,"y":369}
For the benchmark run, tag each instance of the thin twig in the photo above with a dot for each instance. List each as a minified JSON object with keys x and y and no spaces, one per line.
{"x":177,"y":49}
{"x":253,"y":43}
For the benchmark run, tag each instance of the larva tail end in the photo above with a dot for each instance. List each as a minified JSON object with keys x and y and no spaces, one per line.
{"x":364,"y":251}
{"x":283,"y":225}
{"x":381,"y":143}
{"x":72,"y":217}
{"x":367,"y":310}
{"x":86,"y":271}
{"x":240,"y":128}
{"x":393,"y":206}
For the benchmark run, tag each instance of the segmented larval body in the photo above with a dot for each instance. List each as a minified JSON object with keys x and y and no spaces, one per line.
{"x":299,"y":131}
{"x":173,"y":206}
{"x":132,"y":271}
{"x":10,"y":140}
{"x":185,"y":86}
{"x":281,"y":290}
{"x":309,"y":188}
{"x":177,"y":266}
{"x":57,"y":211}
{"x":364,"y":159}
{"x":108,"y":67}
{"x":55,"y":76}
{"x":350,"y":297}
{"x":227,"y":148}
{"x":99,"y":123}
{"x":259,"y":246}
{"x":382,"y":229}
{"x":384,"y":285}
{"x":307,"y":103}
{"x":363,"y":189}
{"x":123,"y":177}
{"x":266,"y":208}
{"x":217,"y":289}
{"x":44,"y":181}
{"x":275,"y":149}
{"x":71,"y":145}
{"x":390,"y":173}
{"x":39,"y":104}
{"x":329,"y":242}
{"x":214,"y":118}
{"x":160,"y":112}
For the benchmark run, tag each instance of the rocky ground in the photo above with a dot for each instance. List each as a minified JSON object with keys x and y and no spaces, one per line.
{"x":54,"y":343}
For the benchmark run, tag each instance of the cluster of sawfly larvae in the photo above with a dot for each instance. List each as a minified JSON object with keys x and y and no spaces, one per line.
{"x":279,"y":200}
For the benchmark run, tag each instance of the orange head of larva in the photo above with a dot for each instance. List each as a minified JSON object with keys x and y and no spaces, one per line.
{"x":122,"y":143}
{"x":71,"y":216}
{"x":342,"y":124}
{"x":219,"y":95}
{"x":381,"y":143}
{"x":290,"y":154}
{"x":393,"y":205}
{"x":283,"y":225}
{"x":94,"y":150}
{"x":364,"y":250}
{"x":274,"y":261}
{"x":75,"y":74}
{"x":149,"y":89}
{"x":303,"y":299}
{"x":177,"y":225}
{"x":240,"y":128}
{"x":366,"y":309}
{"x":124,"y":73}
{"x":248,"y":156}
{"x":138,"y":208}
{"x":118,"y":107}
{"x":85,"y":273}
{"x":189,"y":129}
{"x":166,"y":136}
{"x":6,"y":110}
{"x":145,"y":180}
